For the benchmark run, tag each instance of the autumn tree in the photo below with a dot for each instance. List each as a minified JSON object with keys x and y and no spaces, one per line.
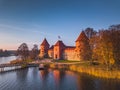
{"x":106,"y":47}
{"x":34,"y":52}
{"x":91,"y":34}
{"x":115,"y":39}
{"x":110,"y":44}
{"x":114,"y":27}
{"x":23,"y":51}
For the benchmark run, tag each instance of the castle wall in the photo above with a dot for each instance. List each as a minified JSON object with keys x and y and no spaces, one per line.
{"x":70,"y":54}
{"x":42,"y":51}
{"x":51,"y":53}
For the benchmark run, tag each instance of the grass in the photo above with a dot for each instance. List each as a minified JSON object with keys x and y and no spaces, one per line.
{"x":65,"y":61}
{"x":96,"y":71}
{"x":20,"y":61}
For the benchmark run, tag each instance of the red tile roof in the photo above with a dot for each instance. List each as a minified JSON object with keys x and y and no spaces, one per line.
{"x":45,"y":42}
{"x":82,"y":36}
{"x":51,"y":47}
{"x":59,"y":43}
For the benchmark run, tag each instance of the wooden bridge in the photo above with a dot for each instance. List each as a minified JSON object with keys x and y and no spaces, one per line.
{"x":16,"y":66}
{"x":9,"y":65}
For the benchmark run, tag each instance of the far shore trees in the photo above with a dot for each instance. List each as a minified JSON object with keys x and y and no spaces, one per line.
{"x":5,"y":53}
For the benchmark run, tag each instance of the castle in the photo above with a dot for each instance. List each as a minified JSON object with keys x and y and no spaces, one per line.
{"x":60,"y":51}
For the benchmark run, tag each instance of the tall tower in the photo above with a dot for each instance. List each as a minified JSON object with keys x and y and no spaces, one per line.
{"x":44,"y":48}
{"x":82,"y":49}
{"x":59,"y":49}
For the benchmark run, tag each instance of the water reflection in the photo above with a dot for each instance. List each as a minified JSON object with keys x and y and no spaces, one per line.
{"x":44,"y":74}
{"x":22,"y":74}
{"x":33,"y":79}
{"x":86,"y":82}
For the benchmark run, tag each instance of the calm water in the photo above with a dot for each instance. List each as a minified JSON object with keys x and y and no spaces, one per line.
{"x":33,"y":79}
{"x":7,"y":59}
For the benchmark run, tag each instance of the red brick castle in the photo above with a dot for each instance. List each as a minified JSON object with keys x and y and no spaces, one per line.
{"x":61,"y":51}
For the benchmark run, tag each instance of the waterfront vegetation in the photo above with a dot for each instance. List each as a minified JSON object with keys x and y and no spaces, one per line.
{"x":97,"y":70}
{"x":21,"y":61}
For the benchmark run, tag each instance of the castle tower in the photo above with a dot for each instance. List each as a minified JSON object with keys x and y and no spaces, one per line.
{"x":82,"y":49}
{"x":44,"y":48}
{"x":59,"y":49}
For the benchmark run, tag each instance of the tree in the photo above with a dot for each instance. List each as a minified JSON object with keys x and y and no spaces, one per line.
{"x":115,"y":33}
{"x":91,"y":34}
{"x":34,"y":53}
{"x":115,"y":39}
{"x":23,"y":51}
{"x":1,"y":52}
{"x":114,"y":27}
{"x":104,"y":48}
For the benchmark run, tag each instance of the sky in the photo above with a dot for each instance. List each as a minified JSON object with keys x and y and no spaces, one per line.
{"x":30,"y":21}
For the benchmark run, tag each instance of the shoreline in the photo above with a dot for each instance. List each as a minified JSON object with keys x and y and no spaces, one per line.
{"x":90,"y":70}
{"x":84,"y":67}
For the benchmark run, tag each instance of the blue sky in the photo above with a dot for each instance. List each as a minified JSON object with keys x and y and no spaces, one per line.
{"x":30,"y":21}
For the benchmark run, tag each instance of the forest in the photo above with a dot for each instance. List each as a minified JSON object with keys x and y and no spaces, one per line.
{"x":105,"y":45}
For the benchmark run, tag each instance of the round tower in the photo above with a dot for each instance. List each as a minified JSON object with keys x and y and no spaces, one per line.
{"x":44,"y":49}
{"x":83,"y":51}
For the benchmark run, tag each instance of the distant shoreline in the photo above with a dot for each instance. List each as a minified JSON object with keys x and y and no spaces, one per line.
{"x":7,"y":53}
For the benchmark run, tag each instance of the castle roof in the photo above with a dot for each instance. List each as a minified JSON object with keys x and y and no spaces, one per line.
{"x":82,"y":36}
{"x":45,"y":42}
{"x":51,"y":47}
{"x":59,"y":43}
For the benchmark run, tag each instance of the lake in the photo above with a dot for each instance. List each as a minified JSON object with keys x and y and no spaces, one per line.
{"x":53,"y":79}
{"x":7,"y":59}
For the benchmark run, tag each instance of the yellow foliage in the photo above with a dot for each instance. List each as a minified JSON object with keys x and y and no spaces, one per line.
{"x":98,"y":72}
{"x":112,"y":61}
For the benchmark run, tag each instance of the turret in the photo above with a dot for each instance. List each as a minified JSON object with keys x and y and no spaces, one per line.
{"x":44,"y":48}
{"x":82,"y":37}
{"x":82,"y":47}
{"x":59,"y":49}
